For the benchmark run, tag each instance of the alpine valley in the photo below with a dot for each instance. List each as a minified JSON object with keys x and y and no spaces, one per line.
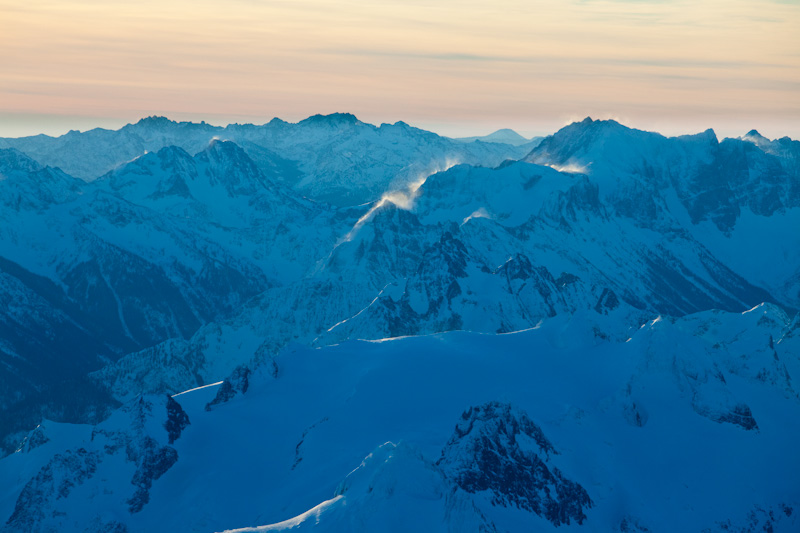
{"x":335,"y":326}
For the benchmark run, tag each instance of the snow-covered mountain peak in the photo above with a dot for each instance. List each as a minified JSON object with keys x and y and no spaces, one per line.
{"x":25,"y":184}
{"x":227,"y":164}
{"x":708,"y":136}
{"x":615,"y":156}
{"x":590,"y":126}
{"x":335,"y":120}
{"x":333,"y":158}
{"x":608,"y":146}
{"x":198,"y":260}
{"x":589,"y":141}
{"x":171,"y":158}
{"x":14,"y":161}
{"x":154,"y":121}
{"x":497,"y":451}
{"x":510,"y":193}
{"x":505,"y":136}
{"x":215,"y":185}
{"x":754,"y":135}
{"x":219,"y":150}
{"x":507,"y":133}
{"x":170,"y":153}
{"x":148,"y":173}
{"x":639,"y":173}
{"x":158,"y":416}
{"x":163,"y":129}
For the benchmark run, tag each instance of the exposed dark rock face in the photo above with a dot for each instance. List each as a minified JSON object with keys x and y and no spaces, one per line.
{"x":143,"y":442}
{"x":520,"y":274}
{"x":177,"y":419}
{"x":759,"y":520}
{"x":740,"y":415}
{"x":35,"y":438}
{"x":608,"y":301}
{"x":496,"y":449}
{"x":54,"y":481}
{"x":442,"y":265}
{"x":153,"y":461}
{"x":236,"y":383}
{"x":135,"y":436}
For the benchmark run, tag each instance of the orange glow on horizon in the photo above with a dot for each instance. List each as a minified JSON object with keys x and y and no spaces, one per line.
{"x":525,"y":65}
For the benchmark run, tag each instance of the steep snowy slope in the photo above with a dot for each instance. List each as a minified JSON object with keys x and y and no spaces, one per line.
{"x":731,"y":196}
{"x":490,"y":250}
{"x":535,"y":430}
{"x":649,"y":387}
{"x":48,"y":342}
{"x":147,"y":253}
{"x":26,"y":185}
{"x":713,"y":180}
{"x":88,"y":155}
{"x":517,"y":244}
{"x":786,"y":149}
{"x":157,"y":273}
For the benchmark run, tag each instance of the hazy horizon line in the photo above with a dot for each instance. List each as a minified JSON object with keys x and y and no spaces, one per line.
{"x":57,"y":125}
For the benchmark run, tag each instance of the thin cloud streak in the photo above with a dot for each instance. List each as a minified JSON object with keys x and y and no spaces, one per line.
{"x":542,"y":59}
{"x":510,"y":63}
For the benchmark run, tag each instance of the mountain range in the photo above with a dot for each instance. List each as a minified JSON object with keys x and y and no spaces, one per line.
{"x":384,"y":329}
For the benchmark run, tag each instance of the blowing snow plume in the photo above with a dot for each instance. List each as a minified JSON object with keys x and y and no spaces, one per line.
{"x":404,"y":199}
{"x":570,"y":168}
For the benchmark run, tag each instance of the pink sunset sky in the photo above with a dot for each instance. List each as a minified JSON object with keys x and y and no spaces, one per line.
{"x":456,"y":67}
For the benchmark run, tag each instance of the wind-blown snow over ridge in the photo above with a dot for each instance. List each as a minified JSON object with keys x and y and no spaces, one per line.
{"x":546,"y":243}
{"x":651,"y":285}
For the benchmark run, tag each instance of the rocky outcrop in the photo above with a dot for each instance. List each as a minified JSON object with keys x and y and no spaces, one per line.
{"x":236,"y":383}
{"x":55,"y":481}
{"x":135,"y":441}
{"x":499,"y":451}
{"x":760,"y":519}
{"x":177,"y":420}
{"x":152,"y":461}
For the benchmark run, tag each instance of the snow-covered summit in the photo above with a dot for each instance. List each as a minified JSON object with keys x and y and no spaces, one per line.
{"x":331,"y":120}
{"x":334,"y":158}
{"x":25,"y":184}
{"x":505,"y":135}
{"x":13,"y":161}
{"x":714,"y":180}
{"x":378,"y":325}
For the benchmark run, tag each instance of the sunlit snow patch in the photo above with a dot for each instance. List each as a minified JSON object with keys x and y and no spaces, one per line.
{"x":198,"y":388}
{"x":292,"y":522}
